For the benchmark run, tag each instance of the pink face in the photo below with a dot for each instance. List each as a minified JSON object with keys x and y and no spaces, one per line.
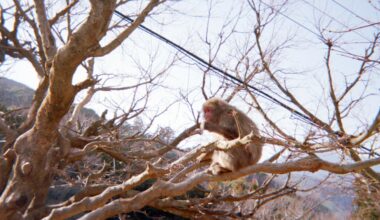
{"x":208,"y":113}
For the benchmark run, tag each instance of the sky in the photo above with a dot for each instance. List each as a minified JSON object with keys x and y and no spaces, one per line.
{"x":187,"y":23}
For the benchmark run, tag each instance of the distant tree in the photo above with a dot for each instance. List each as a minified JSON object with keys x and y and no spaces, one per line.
{"x":366,"y":197}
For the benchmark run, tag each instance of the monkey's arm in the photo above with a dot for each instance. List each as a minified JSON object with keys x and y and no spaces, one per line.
{"x":229,"y":133}
{"x":235,"y":114}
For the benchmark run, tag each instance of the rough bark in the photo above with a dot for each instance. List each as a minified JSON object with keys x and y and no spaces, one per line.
{"x":40,"y":149}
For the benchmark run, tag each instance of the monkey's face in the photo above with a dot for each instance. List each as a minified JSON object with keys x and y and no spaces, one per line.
{"x":209,"y":114}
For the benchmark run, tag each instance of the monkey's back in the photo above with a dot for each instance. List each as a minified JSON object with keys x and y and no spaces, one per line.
{"x":240,"y":157}
{"x":234,"y":123}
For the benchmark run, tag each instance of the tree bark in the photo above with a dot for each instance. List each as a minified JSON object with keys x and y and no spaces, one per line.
{"x":40,"y":149}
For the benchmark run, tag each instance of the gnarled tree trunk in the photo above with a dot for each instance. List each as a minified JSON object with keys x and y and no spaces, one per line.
{"x":40,"y":150}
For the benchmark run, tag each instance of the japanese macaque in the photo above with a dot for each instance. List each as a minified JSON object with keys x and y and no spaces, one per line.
{"x":231,"y":123}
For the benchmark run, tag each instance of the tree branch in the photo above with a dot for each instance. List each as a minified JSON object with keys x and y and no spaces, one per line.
{"x":47,"y":37}
{"x":98,"y":201}
{"x":169,"y":189}
{"x":125,"y":34}
{"x":334,"y":99}
{"x":62,"y":12}
{"x":373,"y":129}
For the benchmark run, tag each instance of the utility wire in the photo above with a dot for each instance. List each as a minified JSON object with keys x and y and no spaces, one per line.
{"x":291,"y":19}
{"x":234,"y":79}
{"x":352,"y":12}
{"x":370,"y":23}
{"x":333,"y":18}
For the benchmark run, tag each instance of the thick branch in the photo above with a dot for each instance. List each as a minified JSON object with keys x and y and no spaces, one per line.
{"x":167,"y":189}
{"x":61,"y":91}
{"x":40,"y":149}
{"x":368,"y":172}
{"x":98,"y":201}
{"x":47,"y":37}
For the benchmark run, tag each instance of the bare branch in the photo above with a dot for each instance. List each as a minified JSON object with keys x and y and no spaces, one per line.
{"x":357,"y":28}
{"x":334,"y":99}
{"x":161,"y":188}
{"x":99,"y":201}
{"x":62,"y":12}
{"x":125,"y":34}
{"x":373,"y":129}
{"x":96,"y":175}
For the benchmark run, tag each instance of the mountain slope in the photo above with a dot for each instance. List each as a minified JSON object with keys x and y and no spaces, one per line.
{"x":17,"y":95}
{"x":14,"y":94}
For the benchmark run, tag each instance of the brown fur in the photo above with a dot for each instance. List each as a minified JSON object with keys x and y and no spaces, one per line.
{"x":231,"y":123}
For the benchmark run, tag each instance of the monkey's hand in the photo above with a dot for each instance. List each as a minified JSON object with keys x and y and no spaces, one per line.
{"x":197,"y":131}
{"x":204,"y":157}
{"x":229,"y":133}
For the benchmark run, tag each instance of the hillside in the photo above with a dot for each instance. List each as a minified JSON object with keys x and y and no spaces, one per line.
{"x":15,"y":95}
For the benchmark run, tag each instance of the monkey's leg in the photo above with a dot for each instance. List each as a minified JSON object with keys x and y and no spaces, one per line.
{"x":216,"y":169}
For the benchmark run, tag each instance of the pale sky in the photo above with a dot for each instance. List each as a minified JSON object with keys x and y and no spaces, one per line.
{"x":188,"y":28}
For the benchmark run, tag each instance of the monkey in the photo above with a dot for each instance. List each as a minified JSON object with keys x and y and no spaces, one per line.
{"x":231,"y":123}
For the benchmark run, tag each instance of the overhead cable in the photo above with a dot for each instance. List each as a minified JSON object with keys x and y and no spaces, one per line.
{"x":225,"y":74}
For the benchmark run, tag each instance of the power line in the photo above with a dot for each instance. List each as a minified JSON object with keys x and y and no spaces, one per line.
{"x":352,"y":12}
{"x":234,"y":79}
{"x":306,"y":28}
{"x":291,"y":19}
{"x":333,"y":18}
{"x":370,"y":23}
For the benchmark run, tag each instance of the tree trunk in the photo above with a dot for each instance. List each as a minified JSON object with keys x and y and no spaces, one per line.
{"x":41,"y":149}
